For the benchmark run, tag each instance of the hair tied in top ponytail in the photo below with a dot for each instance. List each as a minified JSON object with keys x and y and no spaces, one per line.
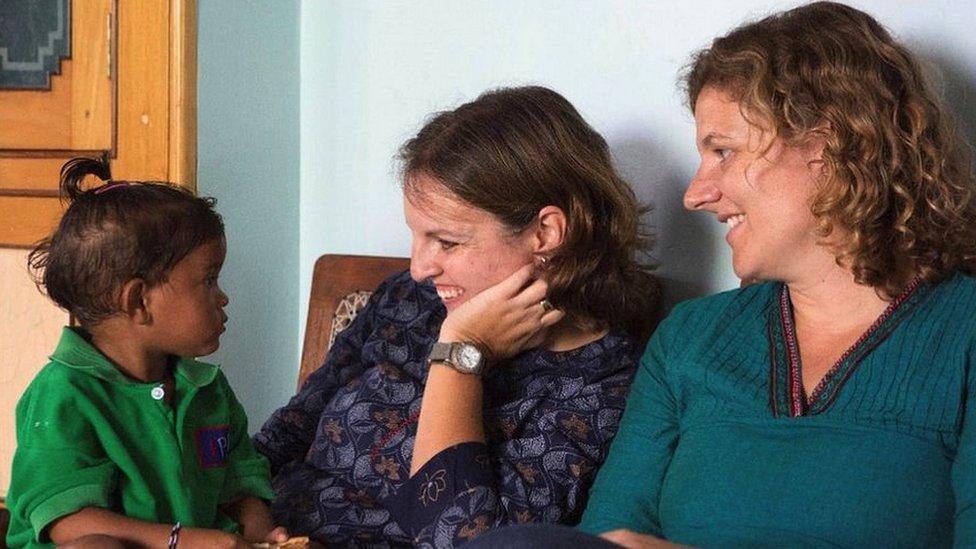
{"x":74,"y":171}
{"x":108,"y":236}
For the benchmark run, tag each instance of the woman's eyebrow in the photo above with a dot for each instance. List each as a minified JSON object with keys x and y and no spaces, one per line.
{"x":435,"y":233}
{"x":712,"y":137}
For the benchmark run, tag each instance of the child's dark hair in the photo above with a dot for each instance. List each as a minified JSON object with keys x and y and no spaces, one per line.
{"x":113,"y":233}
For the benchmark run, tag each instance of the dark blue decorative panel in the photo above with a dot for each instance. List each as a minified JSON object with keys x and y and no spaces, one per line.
{"x":35,"y":35}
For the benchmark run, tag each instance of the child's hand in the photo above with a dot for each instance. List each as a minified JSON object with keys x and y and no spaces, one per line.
{"x":278,"y":535}
{"x":278,"y":539}
{"x":201,"y":537}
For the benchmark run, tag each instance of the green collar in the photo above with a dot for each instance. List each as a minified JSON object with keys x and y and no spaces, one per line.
{"x":74,"y":351}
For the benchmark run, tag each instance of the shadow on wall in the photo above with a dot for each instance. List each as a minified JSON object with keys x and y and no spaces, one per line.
{"x":956,"y":84}
{"x":685,"y":252}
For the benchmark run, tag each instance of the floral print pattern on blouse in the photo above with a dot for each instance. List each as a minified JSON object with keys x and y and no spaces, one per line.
{"x":340,"y":450}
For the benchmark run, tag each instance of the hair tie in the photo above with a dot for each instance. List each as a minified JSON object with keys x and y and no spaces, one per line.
{"x":111,"y":186}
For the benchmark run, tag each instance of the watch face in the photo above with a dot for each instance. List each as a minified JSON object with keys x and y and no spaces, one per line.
{"x":469,"y":357}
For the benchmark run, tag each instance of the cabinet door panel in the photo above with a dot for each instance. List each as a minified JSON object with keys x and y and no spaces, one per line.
{"x":74,"y":111}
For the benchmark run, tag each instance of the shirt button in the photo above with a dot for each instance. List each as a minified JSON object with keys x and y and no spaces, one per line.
{"x":158,"y":393}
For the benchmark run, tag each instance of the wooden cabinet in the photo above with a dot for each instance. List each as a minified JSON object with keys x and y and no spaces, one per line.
{"x":125,"y":87}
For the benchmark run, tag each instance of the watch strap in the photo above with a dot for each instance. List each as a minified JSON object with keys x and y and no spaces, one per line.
{"x":441,"y":352}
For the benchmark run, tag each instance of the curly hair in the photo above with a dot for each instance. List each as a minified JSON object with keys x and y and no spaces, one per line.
{"x":514,"y":151}
{"x":898,"y":181}
{"x":115,"y":232}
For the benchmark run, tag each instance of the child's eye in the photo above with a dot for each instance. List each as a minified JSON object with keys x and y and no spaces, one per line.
{"x":211,"y":280}
{"x":446,"y":244}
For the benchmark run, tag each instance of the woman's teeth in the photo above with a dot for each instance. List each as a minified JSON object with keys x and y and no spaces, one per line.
{"x":735,"y":220}
{"x":449,"y":293}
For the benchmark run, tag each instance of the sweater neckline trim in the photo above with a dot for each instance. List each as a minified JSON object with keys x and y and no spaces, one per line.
{"x":787,"y":396}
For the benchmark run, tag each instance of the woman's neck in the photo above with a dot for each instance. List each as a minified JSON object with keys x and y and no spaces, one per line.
{"x":833,"y":300}
{"x":571,"y":334}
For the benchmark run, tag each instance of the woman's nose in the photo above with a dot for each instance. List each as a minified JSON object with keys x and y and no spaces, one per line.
{"x":701,"y":192}
{"x":422,"y":264}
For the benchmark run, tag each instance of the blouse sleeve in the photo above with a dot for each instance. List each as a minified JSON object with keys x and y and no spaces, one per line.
{"x":287,"y":435}
{"x":964,"y":466}
{"x":541,"y":475}
{"x":627,"y":489}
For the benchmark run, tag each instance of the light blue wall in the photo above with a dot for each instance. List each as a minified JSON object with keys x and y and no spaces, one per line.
{"x":372,"y":70}
{"x":248,"y":158}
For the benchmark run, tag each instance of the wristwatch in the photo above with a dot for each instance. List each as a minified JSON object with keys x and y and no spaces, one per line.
{"x":463,"y":357}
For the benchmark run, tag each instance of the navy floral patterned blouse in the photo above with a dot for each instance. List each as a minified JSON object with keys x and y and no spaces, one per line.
{"x":340,"y":449}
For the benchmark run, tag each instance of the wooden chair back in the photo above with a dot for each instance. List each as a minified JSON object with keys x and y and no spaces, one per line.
{"x":333,"y":279}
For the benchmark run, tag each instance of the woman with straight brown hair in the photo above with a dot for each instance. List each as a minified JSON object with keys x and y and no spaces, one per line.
{"x":483,"y":386}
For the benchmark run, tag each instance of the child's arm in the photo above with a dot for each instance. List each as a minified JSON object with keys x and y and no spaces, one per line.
{"x":95,"y":520}
{"x":247,"y":484}
{"x":255,"y":520}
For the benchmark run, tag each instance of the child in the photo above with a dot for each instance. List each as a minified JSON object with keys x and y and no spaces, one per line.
{"x":123,"y":438}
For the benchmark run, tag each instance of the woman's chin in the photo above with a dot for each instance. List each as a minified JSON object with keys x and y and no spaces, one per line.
{"x":746,"y":263}
{"x":453,"y":303}
{"x":745,"y":273}
{"x":738,"y":268}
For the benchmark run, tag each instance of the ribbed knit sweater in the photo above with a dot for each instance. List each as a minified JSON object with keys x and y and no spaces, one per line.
{"x":720,"y":447}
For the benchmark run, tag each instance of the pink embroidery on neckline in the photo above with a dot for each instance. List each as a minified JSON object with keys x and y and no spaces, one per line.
{"x":797,"y":402}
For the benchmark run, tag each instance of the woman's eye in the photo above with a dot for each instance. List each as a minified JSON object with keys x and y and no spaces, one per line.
{"x":723,"y":154}
{"x":446,"y":244}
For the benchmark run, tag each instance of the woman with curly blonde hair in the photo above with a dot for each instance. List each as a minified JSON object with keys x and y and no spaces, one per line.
{"x":828,"y":403}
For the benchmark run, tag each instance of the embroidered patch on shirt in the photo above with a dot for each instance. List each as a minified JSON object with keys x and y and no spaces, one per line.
{"x":213,"y":446}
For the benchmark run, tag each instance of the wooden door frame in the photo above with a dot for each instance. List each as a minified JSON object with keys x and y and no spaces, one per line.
{"x":157,"y":101}
{"x":183,"y":93}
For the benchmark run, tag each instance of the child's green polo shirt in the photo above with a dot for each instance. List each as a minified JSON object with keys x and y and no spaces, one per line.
{"x":87,"y":436}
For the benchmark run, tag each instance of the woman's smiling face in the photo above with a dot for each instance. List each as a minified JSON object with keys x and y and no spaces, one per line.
{"x":760,"y":187}
{"x":460,"y":248}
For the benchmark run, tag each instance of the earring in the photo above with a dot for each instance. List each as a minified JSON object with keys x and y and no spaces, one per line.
{"x":543,"y":260}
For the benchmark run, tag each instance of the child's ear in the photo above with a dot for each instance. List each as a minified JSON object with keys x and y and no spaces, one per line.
{"x":132,"y":301}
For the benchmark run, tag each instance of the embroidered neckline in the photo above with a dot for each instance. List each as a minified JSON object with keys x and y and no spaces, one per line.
{"x":787,"y":396}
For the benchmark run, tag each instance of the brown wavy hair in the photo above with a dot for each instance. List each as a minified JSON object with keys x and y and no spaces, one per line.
{"x":514,"y":151}
{"x":115,"y":232}
{"x":898,"y":181}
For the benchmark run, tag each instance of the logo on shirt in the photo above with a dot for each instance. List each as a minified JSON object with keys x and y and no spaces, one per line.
{"x":213,"y":445}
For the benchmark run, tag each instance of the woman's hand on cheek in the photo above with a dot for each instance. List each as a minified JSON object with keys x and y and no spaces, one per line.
{"x":504,"y":319}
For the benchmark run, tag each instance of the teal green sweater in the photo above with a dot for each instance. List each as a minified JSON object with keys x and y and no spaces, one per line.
{"x":719,"y":447}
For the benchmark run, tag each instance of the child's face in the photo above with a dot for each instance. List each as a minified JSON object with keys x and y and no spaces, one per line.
{"x":188,"y":309}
